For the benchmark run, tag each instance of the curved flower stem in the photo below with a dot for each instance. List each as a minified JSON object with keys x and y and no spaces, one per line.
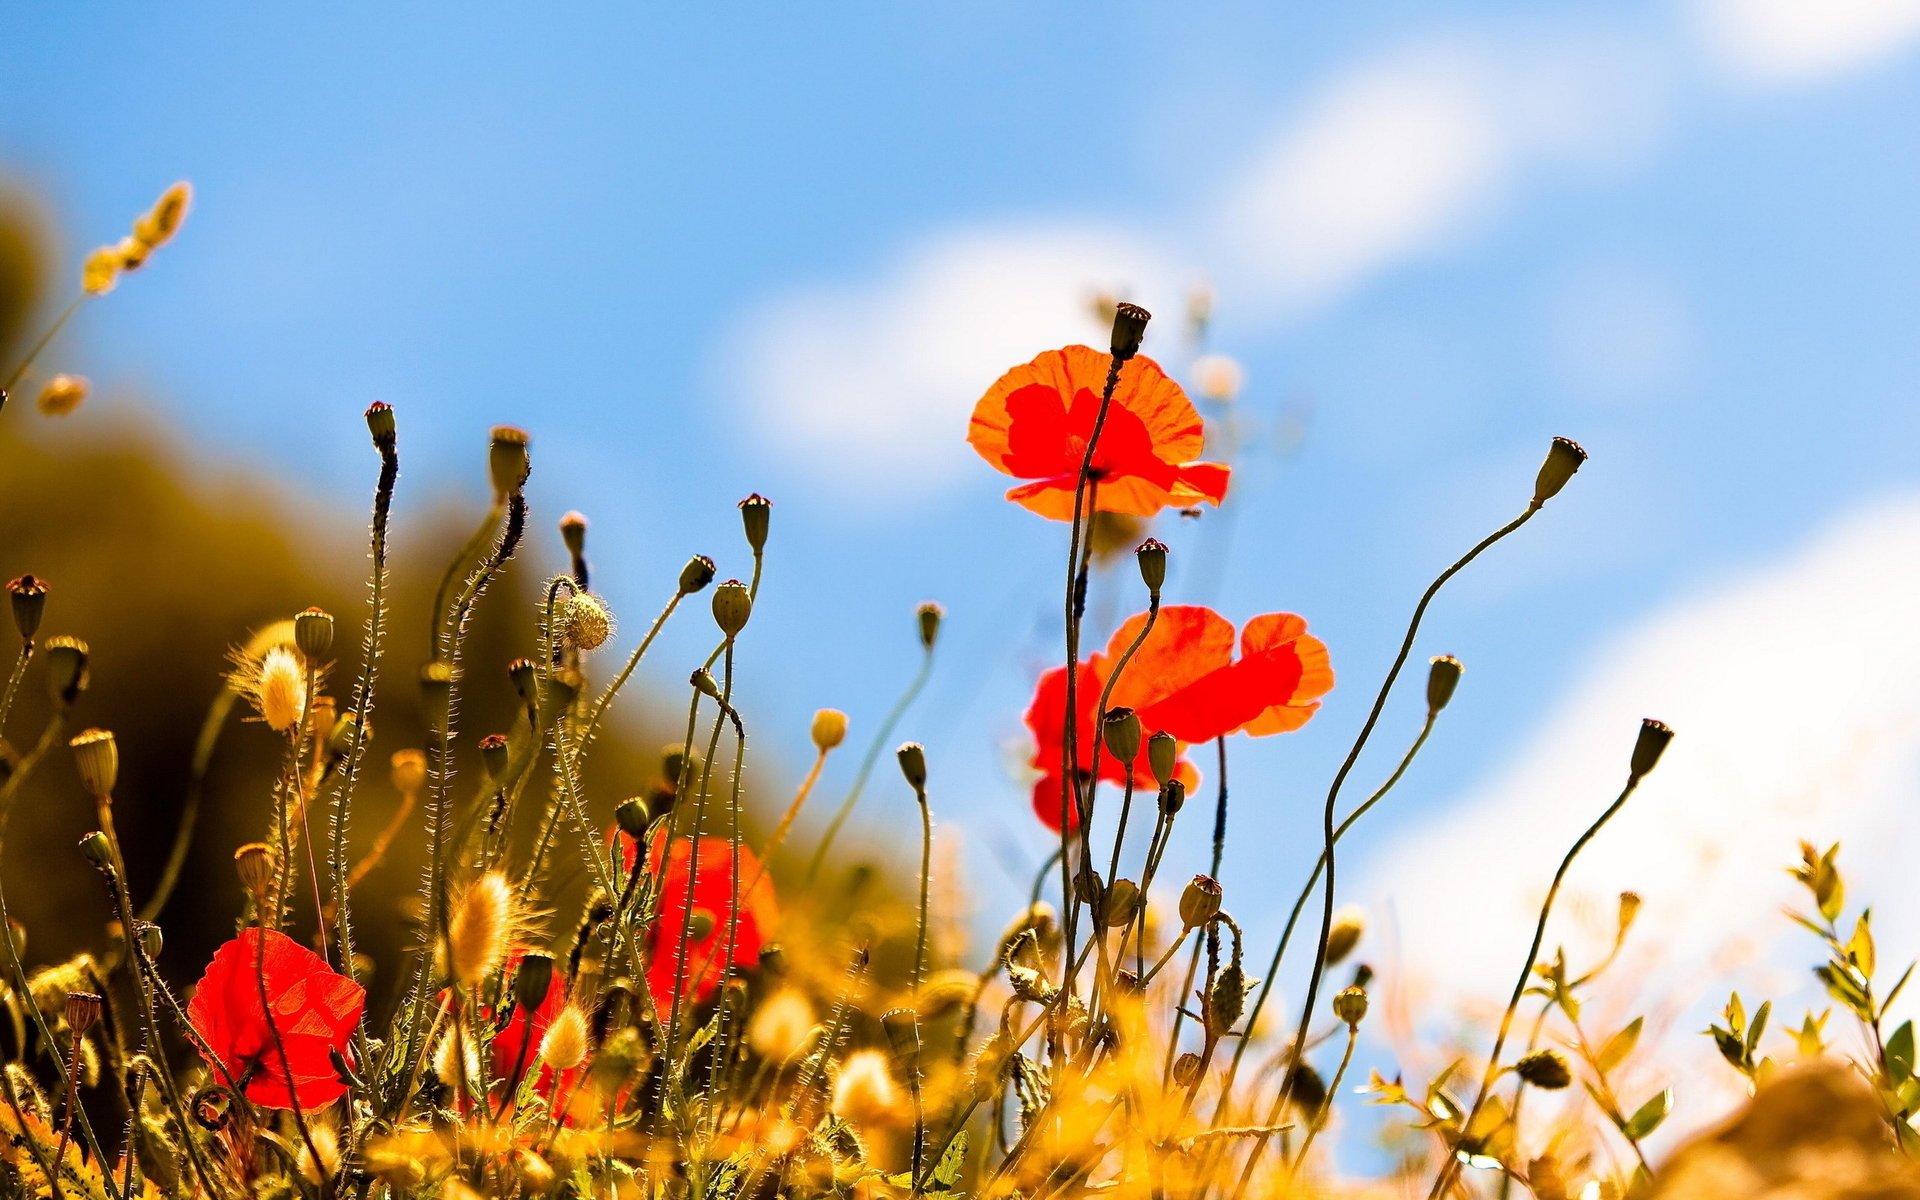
{"x":44,"y":340}
{"x":1319,"y":1121}
{"x":874,"y":748}
{"x":592,"y":724}
{"x":13,"y":682}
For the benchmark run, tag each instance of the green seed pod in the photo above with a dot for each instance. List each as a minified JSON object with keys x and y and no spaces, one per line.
{"x":1121,"y":904}
{"x":29,"y":596}
{"x":532,"y":981}
{"x":913,"y":765}
{"x":1120,"y":728}
{"x":1650,"y":745}
{"x":507,"y":460}
{"x":755,"y":513}
{"x":573,"y":534}
{"x":95,"y":848}
{"x":929,"y":616}
{"x":1350,"y":1005}
{"x":97,"y":757}
{"x":732,"y":606}
{"x":1129,"y":330}
{"x":495,"y":752}
{"x":436,"y":693}
{"x":1200,"y":901}
{"x":1173,"y":797}
{"x":67,"y":674}
{"x":1344,"y":934}
{"x":697,"y":574}
{"x":380,"y":423}
{"x":313,"y":634}
{"x":1564,"y":457}
{"x":1163,"y":756}
{"x":523,"y":674}
{"x":632,"y":815}
{"x":1443,"y":675}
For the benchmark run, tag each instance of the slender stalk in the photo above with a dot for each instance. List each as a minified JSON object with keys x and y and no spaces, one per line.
{"x":881,"y":738}
{"x":41,"y":343}
{"x":13,"y":682}
{"x":1333,"y":1090}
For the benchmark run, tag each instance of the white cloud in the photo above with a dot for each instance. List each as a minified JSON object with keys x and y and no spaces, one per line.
{"x":1795,"y":695}
{"x":872,"y":381}
{"x":1791,"y":41}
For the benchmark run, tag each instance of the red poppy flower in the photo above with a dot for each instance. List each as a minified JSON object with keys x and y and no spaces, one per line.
{"x":1035,"y":421}
{"x":706,"y":900}
{"x":1183,"y":680}
{"x":314,"y":1009}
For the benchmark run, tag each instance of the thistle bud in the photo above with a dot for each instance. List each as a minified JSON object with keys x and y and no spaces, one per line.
{"x":913,"y":765}
{"x":755,"y":512}
{"x":97,"y":757}
{"x":532,"y":981}
{"x":1648,"y":748}
{"x":507,"y":461}
{"x":1152,"y":557}
{"x":1173,"y":797}
{"x":1350,"y":1005}
{"x":253,"y":863}
{"x":1544,"y":1069}
{"x":1200,"y":902}
{"x":1226,"y":999}
{"x":1344,"y":934}
{"x":632,"y":816}
{"x":929,"y":616}
{"x":1443,"y":675}
{"x":495,"y":751}
{"x":1129,"y":329}
{"x":829,"y":729}
{"x":1163,"y":756}
{"x":1120,"y":729}
{"x":82,"y":1012}
{"x":29,"y":596}
{"x":523,"y":675}
{"x":732,"y":605}
{"x":436,"y":693}
{"x":380,"y":423}
{"x":313,"y":634}
{"x":573,"y":533}
{"x":95,"y":848}
{"x":1186,"y":1069}
{"x":1121,"y":904}
{"x":1564,"y":457}
{"x":67,"y":674}
{"x":697,"y":574}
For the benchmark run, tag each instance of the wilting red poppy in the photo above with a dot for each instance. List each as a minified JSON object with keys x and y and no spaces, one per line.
{"x":706,"y":901}
{"x":1184,"y":681}
{"x":1035,"y":421}
{"x":314,"y":1010}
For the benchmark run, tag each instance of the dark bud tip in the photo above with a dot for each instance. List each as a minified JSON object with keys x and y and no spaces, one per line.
{"x":1152,"y":557}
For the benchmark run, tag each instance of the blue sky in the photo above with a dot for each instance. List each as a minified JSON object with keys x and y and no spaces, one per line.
{"x":702,"y":254}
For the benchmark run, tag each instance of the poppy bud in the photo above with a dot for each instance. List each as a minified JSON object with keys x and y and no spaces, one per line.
{"x":930,"y":615}
{"x":902,"y":1027}
{"x":66,"y":667}
{"x":1350,"y":1006}
{"x":532,"y":980}
{"x":1121,"y":904}
{"x":697,"y":574}
{"x":585,"y":623}
{"x":1443,"y":675}
{"x":573,"y":533}
{"x":700,"y":924}
{"x":313,"y":634}
{"x":755,"y":512}
{"x":380,"y":423}
{"x":1152,"y":557}
{"x":1121,"y":731}
{"x":732,"y":605}
{"x":1163,"y":756}
{"x":1186,"y":1069}
{"x":1306,"y":1091}
{"x":1086,"y":887}
{"x":29,"y":596}
{"x":494,"y":753}
{"x":1564,"y":457}
{"x":83,"y":1012}
{"x":913,"y":765}
{"x":150,"y":940}
{"x":632,"y":815}
{"x":1544,"y":1069}
{"x":1173,"y":797}
{"x":1129,"y":329}
{"x":95,"y":848}
{"x":1226,"y":999}
{"x":253,"y":863}
{"x":1200,"y":901}
{"x":97,"y":756}
{"x":1348,"y":924}
{"x":507,"y":461}
{"x":703,"y":682}
{"x":1648,"y":748}
{"x":436,"y":692}
{"x":675,"y":762}
{"x":829,"y":729}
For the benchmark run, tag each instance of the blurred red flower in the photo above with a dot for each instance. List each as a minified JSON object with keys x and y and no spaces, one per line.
{"x":1035,"y":421}
{"x":313,"y":1008}
{"x":1185,"y":681}
{"x":706,"y":901}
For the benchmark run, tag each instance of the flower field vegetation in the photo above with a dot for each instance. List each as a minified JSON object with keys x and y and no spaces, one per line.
{"x":705,"y":1019}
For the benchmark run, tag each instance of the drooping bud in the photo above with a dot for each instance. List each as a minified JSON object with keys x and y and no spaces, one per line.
{"x":313,"y":634}
{"x":1200,"y":901}
{"x":913,"y":765}
{"x":508,"y":462}
{"x":1120,"y":729}
{"x":1087,"y":887}
{"x":1564,"y":457}
{"x":253,"y":863}
{"x":29,"y":596}
{"x":97,"y":757}
{"x":703,"y":682}
{"x":1648,"y":748}
{"x":632,"y":816}
{"x":1350,"y":1005}
{"x":1544,"y":1069}
{"x":697,"y":574}
{"x":732,"y":606}
{"x":829,"y":729}
{"x":95,"y":848}
{"x":1443,"y":675}
{"x":929,"y":616}
{"x":1344,"y":934}
{"x":755,"y":513}
{"x":1129,"y":330}
{"x":1152,"y":557}
{"x":66,"y":668}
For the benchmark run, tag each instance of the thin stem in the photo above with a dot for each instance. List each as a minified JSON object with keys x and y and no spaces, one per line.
{"x":1333,"y":1090}
{"x":881,"y":738}
{"x":33,"y":352}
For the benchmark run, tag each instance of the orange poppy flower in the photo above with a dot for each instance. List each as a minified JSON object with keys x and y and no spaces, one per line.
{"x":1185,"y":681}
{"x":1035,"y":421}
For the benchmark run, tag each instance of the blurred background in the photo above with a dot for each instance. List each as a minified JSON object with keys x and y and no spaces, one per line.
{"x":702,"y":255}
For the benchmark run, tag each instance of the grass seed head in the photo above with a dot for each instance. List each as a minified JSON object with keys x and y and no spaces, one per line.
{"x":481,"y":927}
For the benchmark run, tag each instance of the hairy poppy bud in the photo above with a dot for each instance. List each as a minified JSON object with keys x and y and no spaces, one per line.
{"x":1121,"y":904}
{"x":97,"y":757}
{"x":1186,"y":1069}
{"x":150,"y":940}
{"x":913,"y":765}
{"x":732,"y":605}
{"x":1544,"y":1069}
{"x":83,"y":1012}
{"x":1120,"y":728}
{"x":253,"y":863}
{"x":1163,"y":756}
{"x":1129,"y":329}
{"x":313,"y":633}
{"x":632,"y":815}
{"x":1350,"y":1005}
{"x":1348,"y":925}
{"x":1564,"y":457}
{"x":380,"y":423}
{"x":436,"y":692}
{"x":929,"y":615}
{"x":697,"y":574}
{"x":1200,"y":901}
{"x":585,"y":623}
{"x":829,"y":729}
{"x":1648,"y":748}
{"x":1443,"y":675}
{"x":1152,"y":557}
{"x":532,"y":980}
{"x":95,"y":848}
{"x":29,"y":596}
{"x":1173,"y":797}
{"x":495,"y":750}
{"x":755,"y":513}
{"x":66,"y":667}
{"x":507,"y":460}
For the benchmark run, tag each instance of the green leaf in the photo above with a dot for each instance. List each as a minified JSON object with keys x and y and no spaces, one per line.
{"x":1860,"y":946}
{"x":1900,"y":1053}
{"x":953,"y":1160}
{"x":1648,"y":1116}
{"x":1759,"y":1026}
{"x":1619,"y":1046}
